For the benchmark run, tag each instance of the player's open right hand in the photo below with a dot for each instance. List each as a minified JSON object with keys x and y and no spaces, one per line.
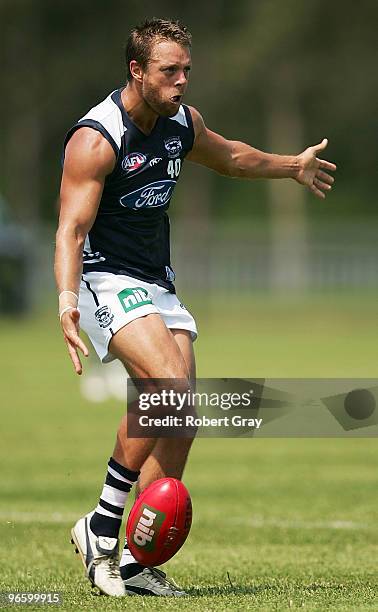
{"x":311,"y":170}
{"x":70,"y":327}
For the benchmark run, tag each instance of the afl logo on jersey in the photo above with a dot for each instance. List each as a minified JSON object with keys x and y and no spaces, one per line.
{"x":173,"y":146}
{"x":155,"y":194}
{"x":133,"y":161}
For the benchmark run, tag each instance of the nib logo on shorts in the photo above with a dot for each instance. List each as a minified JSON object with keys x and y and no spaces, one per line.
{"x":133,"y":298}
{"x":147,"y":530}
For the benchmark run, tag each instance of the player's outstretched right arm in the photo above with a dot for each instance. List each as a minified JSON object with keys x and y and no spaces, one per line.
{"x":89,"y":158}
{"x":240,"y":160}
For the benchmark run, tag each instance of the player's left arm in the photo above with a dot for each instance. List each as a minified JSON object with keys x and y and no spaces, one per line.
{"x":239,"y":160}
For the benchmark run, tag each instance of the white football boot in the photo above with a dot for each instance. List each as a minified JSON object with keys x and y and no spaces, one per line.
{"x":99,"y":555}
{"x":152,"y":581}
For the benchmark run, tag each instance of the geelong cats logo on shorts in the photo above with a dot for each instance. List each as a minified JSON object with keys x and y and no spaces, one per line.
{"x":173,"y":146}
{"x":155,"y":194}
{"x":104,"y":316}
{"x":133,"y":161}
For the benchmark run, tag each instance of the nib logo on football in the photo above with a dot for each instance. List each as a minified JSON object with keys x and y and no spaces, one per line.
{"x":143,"y":534}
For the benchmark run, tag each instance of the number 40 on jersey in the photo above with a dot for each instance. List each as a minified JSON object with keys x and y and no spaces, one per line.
{"x":174,"y":167}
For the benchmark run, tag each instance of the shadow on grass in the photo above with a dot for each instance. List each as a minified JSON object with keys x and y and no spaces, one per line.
{"x":319,"y":586}
{"x":229,"y":590}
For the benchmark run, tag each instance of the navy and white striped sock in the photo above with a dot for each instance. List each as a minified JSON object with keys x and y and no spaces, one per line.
{"x":107,"y":517}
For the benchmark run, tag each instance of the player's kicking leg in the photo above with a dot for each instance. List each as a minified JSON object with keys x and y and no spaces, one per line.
{"x":148,"y":350}
{"x":167,"y":459}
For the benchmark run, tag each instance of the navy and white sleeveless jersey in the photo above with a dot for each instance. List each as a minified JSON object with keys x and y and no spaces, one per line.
{"x":130,"y":234}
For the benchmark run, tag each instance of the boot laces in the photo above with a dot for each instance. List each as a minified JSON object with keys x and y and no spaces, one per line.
{"x":112,"y":564}
{"x":160,"y":577}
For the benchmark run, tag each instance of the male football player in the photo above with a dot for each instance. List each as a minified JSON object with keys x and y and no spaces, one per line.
{"x":113,"y":269}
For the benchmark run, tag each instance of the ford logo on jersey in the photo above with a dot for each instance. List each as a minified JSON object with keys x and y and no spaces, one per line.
{"x":133,"y":161}
{"x":152,"y":195}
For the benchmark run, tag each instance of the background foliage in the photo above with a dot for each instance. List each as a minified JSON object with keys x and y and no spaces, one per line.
{"x":308,"y":65}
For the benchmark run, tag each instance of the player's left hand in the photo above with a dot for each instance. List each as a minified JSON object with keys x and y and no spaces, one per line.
{"x":70,"y":327}
{"x":311,"y":170}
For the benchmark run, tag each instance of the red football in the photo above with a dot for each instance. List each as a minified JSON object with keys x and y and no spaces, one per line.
{"x":159,"y":522}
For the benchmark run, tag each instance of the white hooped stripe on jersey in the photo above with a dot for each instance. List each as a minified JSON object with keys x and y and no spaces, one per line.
{"x":109,"y":115}
{"x":87,"y":244}
{"x":88,"y":256}
{"x":180,"y":117}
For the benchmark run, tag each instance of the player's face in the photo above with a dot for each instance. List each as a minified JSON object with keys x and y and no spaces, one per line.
{"x":166,"y":77}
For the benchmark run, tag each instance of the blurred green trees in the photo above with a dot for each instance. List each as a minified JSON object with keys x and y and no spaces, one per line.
{"x":276,"y":74}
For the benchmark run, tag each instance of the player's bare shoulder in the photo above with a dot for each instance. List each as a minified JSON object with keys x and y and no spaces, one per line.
{"x":88,"y":160}
{"x":209,"y":149}
{"x":87,"y":151}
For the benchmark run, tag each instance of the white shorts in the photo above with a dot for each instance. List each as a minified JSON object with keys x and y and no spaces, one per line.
{"x":108,"y":302}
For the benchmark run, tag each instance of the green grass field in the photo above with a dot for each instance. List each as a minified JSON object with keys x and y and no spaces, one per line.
{"x":278,"y":524}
